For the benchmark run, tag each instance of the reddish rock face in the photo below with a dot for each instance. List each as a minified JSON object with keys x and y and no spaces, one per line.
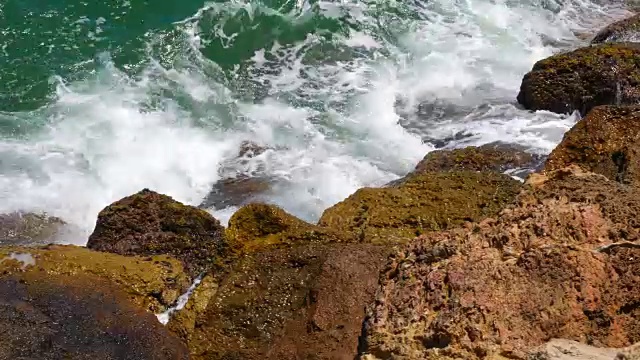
{"x":304,"y":302}
{"x":559,"y":263}
{"x":148,"y":223}
{"x":80,"y":318}
{"x":606,"y":142}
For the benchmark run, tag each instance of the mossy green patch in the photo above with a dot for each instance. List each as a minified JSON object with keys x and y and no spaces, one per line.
{"x":425,"y":202}
{"x":153,"y":283}
{"x":256,"y":226}
{"x":604,"y":74}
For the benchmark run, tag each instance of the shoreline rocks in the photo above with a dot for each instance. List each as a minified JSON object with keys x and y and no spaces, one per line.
{"x":425,"y":202}
{"x":28,"y":229}
{"x":148,"y":223}
{"x":605,"y":74}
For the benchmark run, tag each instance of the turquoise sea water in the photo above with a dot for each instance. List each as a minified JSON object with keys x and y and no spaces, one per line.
{"x":99,"y":99}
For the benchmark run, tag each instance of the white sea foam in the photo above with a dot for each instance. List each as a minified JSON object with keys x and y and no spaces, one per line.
{"x":443,"y":68}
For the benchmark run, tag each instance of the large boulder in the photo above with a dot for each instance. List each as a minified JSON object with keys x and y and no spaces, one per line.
{"x":148,"y":223}
{"x":607,"y":74}
{"x":152,"y":283}
{"x":79,"y":317}
{"x":421,"y":203}
{"x":625,"y":30}
{"x":300,"y":302}
{"x":561,"y":262}
{"x":25,"y":229}
{"x":606,"y":141}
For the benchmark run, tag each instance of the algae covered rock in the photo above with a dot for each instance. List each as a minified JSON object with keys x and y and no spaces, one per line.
{"x":496,"y":157}
{"x":300,"y":302}
{"x":256,"y":226}
{"x":425,"y":202}
{"x":153,"y":283}
{"x":625,"y":30}
{"x":607,"y":74}
{"x":77,"y":317}
{"x":18,"y":228}
{"x":148,"y":223}
{"x":558,"y":263}
{"x":606,"y":141}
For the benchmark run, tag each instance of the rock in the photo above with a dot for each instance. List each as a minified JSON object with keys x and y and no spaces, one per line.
{"x":561,"y":349}
{"x":153,"y":283}
{"x":25,"y":229}
{"x":496,"y":157}
{"x":558,"y":263}
{"x":257,"y":226}
{"x":148,"y":223}
{"x":626,"y":30}
{"x":54,"y":316}
{"x":301,"y":302}
{"x":607,"y":74}
{"x":241,"y":180}
{"x":425,"y":202}
{"x":604,"y":142}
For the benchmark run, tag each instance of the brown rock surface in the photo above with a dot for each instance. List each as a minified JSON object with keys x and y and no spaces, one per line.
{"x":79,"y":317}
{"x":302,"y":302}
{"x":606,"y":74}
{"x":561,"y":349}
{"x":24,"y":229}
{"x":240,"y":182}
{"x":496,"y":157}
{"x":421,"y":203}
{"x":545,"y":268}
{"x":148,"y":223}
{"x":606,"y":141}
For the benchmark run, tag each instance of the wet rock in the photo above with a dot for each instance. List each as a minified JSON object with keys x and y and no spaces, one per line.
{"x":607,"y":74}
{"x":495,"y":157}
{"x":257,"y":226}
{"x":148,"y":223}
{"x":605,"y":142}
{"x":558,"y":263}
{"x":301,"y":302}
{"x":424,"y":202}
{"x":54,"y":316}
{"x":25,"y":229}
{"x":241,"y":180}
{"x":626,"y":30}
{"x":153,"y":283}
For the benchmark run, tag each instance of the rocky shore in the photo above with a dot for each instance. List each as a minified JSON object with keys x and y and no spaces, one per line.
{"x":456,"y":260}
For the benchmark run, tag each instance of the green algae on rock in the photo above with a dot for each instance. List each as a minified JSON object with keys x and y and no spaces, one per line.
{"x":77,"y":316}
{"x":625,"y":30}
{"x":257,"y":226}
{"x":148,"y":223}
{"x":606,"y":142}
{"x":23,"y":229}
{"x":425,"y":202}
{"x":153,"y":283}
{"x":496,"y":157}
{"x":607,"y":74}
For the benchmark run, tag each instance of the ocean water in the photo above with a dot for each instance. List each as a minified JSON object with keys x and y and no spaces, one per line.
{"x":99,"y":99}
